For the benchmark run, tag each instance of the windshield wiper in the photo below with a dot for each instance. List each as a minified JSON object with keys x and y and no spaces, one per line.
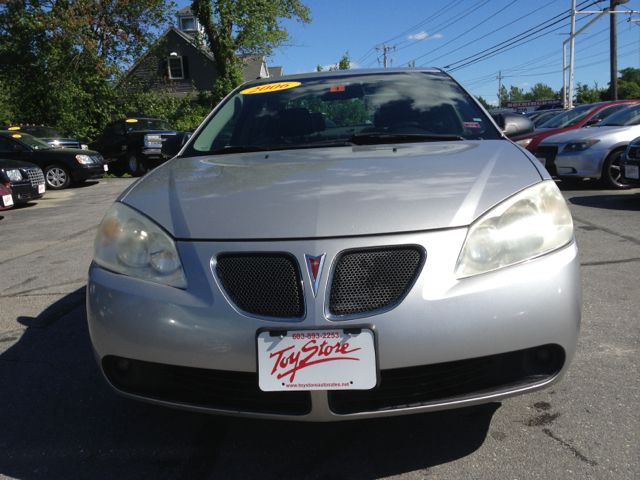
{"x":378,"y":138}
{"x":239,"y":149}
{"x":612,"y":125}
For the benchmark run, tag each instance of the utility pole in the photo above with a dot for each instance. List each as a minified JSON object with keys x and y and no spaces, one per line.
{"x":613,"y":54}
{"x":385,"y":49}
{"x":613,"y":41}
{"x":499,"y":77}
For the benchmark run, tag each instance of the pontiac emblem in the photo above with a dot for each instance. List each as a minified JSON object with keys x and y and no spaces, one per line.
{"x":314,"y":268}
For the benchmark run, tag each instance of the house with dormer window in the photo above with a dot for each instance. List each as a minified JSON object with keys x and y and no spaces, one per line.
{"x":179,"y":65}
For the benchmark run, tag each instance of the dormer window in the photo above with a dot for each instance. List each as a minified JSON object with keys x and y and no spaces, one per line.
{"x":188,"y":23}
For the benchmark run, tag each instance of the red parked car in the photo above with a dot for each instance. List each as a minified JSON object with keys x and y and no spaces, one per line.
{"x":6,"y":197}
{"x":578,"y":117}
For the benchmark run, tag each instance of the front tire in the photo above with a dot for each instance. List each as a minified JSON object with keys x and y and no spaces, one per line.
{"x":57,"y":177}
{"x":135,"y":165}
{"x":611,"y":173}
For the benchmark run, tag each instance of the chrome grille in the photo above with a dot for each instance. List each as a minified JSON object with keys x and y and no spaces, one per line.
{"x":373,"y":280}
{"x":266,"y":285}
{"x":36,"y":177}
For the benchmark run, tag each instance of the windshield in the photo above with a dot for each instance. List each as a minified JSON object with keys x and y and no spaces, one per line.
{"x":629,"y":116}
{"x":32,"y":142}
{"x":570,"y":118}
{"x":325,"y":110}
{"x":136,"y":124}
{"x":40,"y":132}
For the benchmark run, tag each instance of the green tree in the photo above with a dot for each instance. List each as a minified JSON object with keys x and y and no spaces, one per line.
{"x":484,"y":103}
{"x":628,"y":90}
{"x":540,"y":91}
{"x":630,"y":74}
{"x":504,"y":96}
{"x":343,"y":64}
{"x":584,"y":94}
{"x":243,"y":27}
{"x":60,"y":59}
{"x":516,"y":94}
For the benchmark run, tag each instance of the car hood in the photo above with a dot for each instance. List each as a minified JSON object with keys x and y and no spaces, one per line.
{"x":594,"y":133}
{"x":328,"y":192}
{"x":16,"y":164}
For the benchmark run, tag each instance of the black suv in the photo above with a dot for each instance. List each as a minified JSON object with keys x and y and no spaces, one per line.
{"x":47,"y":134}
{"x":133,"y":145}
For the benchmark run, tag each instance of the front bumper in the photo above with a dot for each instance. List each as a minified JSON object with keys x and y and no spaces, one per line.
{"x":25,"y":192}
{"x":586,"y":164}
{"x":442,"y":325}
{"x":89,"y":172}
{"x":624,"y":161}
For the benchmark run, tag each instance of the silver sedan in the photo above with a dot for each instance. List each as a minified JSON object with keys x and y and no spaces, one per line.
{"x":593,"y":152}
{"x":337,"y":246}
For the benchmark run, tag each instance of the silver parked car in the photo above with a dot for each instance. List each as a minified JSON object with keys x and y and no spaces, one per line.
{"x":594,"y":152}
{"x":335,"y":246}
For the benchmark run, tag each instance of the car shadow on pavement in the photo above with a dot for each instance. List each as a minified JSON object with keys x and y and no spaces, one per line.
{"x":626,"y":202}
{"x":59,"y":419}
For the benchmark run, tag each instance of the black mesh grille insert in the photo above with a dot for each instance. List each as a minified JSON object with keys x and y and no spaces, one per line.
{"x":549,"y":153}
{"x":415,"y":386}
{"x":366,"y":281}
{"x":264,"y":284}
{"x":219,"y":389}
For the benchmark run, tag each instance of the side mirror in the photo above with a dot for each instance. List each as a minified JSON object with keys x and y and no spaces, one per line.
{"x":592,"y":121}
{"x":512,"y":124}
{"x":172,"y":145}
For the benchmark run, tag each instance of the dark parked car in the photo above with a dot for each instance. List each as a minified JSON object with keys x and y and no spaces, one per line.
{"x":538,"y":118}
{"x":133,"y":145}
{"x":61,"y":166}
{"x":47,"y":134}
{"x":630,"y":163}
{"x":6,"y":197}
{"x":25,"y":179}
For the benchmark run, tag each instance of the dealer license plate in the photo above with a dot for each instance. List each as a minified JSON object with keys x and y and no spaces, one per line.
{"x":631,"y":171}
{"x":317,"y":360}
{"x":41,"y":188}
{"x":7,"y":200}
{"x":106,"y":168}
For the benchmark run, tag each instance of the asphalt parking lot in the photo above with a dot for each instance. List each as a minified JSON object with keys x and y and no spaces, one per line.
{"x":58,"y":418}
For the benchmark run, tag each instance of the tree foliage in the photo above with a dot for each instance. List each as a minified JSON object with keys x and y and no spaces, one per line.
{"x":60,"y":59}
{"x":242,"y":27}
{"x":343,"y":64}
{"x":585,"y":94}
{"x":484,"y":103}
{"x":540,"y":91}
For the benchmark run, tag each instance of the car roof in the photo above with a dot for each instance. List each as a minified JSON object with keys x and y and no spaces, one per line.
{"x":341,"y":73}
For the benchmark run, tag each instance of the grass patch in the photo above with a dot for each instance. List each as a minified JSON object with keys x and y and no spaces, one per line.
{"x":111,"y":175}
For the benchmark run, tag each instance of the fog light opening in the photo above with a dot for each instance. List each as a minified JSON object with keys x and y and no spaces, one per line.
{"x":543,"y":360}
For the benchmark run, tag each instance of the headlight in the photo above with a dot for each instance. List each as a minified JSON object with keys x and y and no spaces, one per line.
{"x":84,"y":159}
{"x":524,"y":143}
{"x":14,"y":175}
{"x":527,"y":225}
{"x":84,"y":147}
{"x":579,"y":146}
{"x":153,"y":140}
{"x":129,"y":243}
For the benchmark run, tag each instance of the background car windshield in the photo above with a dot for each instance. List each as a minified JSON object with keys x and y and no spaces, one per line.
{"x":148,"y":125}
{"x":34,"y":142}
{"x":629,"y":116}
{"x":321,"y":109}
{"x":570,"y":118}
{"x":41,"y":132}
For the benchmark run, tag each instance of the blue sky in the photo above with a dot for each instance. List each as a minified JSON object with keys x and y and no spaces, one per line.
{"x":441,"y":34}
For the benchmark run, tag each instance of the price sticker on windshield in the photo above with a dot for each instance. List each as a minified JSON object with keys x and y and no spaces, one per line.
{"x":271,"y":87}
